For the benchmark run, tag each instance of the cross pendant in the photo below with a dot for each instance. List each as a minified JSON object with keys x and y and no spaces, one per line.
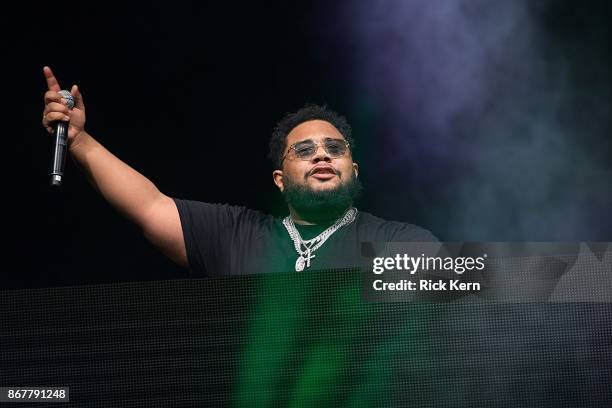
{"x":308,"y":257}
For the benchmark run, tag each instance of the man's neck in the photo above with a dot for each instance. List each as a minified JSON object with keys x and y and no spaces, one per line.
{"x":301,"y":220}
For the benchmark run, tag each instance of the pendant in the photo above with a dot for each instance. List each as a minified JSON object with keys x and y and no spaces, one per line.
{"x":299,"y":264}
{"x":304,"y":261}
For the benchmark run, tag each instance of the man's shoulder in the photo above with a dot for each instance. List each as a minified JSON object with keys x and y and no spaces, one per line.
{"x":229,"y":211}
{"x":379,"y":229}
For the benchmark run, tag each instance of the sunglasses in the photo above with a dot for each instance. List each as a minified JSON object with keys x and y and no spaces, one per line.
{"x":306,"y":149}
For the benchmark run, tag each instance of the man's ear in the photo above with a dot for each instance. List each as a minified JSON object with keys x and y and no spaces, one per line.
{"x":356,"y":169}
{"x":277,"y":176}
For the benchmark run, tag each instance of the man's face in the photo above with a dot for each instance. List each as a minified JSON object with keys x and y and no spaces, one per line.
{"x":321,"y":172}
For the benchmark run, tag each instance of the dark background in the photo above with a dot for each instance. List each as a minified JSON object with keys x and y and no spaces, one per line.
{"x":478,"y":122}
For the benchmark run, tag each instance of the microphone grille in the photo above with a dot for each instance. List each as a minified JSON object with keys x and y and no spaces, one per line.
{"x":68,"y":97}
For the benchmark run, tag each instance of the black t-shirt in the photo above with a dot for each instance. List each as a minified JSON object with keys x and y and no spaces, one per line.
{"x":226,"y":240}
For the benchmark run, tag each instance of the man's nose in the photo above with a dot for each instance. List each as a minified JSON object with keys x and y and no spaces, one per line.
{"x":320,"y":154}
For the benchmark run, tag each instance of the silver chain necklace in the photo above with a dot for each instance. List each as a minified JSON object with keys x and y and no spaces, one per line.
{"x":311,"y":245}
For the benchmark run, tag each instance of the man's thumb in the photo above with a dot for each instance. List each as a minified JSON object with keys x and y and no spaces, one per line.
{"x":78,"y":98}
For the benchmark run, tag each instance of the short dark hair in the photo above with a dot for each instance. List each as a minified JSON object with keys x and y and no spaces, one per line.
{"x":278,"y":141}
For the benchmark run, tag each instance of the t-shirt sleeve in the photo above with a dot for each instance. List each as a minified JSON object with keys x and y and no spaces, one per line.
{"x":411,"y":233}
{"x":379,"y":230}
{"x":211,"y":232}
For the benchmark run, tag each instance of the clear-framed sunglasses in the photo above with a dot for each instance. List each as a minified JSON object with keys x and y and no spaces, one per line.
{"x":306,"y":149}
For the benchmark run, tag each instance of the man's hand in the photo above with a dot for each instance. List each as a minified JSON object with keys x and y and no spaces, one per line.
{"x":56,"y":109}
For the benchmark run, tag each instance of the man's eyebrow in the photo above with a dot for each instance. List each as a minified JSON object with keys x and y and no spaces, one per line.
{"x":312,"y":141}
{"x":325,"y":138}
{"x":300,"y":141}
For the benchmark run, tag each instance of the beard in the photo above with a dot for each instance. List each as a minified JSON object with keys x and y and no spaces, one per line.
{"x":324,"y":206}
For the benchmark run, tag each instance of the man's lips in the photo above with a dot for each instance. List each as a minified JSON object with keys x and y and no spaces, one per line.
{"x":324,"y":176}
{"x":323,"y":172}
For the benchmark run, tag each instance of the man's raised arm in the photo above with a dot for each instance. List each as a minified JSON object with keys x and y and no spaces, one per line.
{"x":124,"y":188}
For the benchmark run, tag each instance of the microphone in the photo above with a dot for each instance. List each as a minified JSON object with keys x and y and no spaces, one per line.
{"x":61,"y":142}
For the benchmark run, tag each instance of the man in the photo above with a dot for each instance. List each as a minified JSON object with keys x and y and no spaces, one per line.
{"x":315,"y":172}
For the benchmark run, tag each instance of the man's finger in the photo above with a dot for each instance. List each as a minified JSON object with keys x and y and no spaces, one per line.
{"x":56,"y":107}
{"x":52,"y":96}
{"x":52,"y":83}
